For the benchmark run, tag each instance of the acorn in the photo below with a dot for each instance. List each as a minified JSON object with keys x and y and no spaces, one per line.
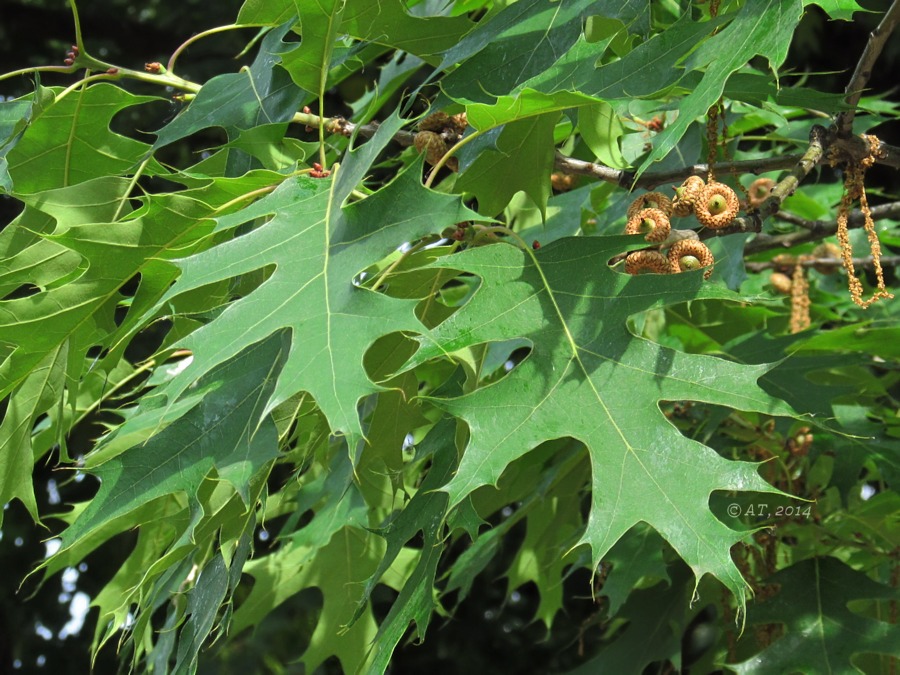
{"x":651,"y":262}
{"x":716,"y":206}
{"x":650,"y":200}
{"x":759,"y":191}
{"x":686,"y":196}
{"x":780,"y":282}
{"x":431,"y":144}
{"x":653,"y":222}
{"x":689,"y":254}
{"x":437,"y":121}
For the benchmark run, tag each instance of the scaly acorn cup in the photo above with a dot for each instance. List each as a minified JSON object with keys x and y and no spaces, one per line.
{"x":653,"y":223}
{"x":686,"y":196}
{"x":759,"y":191}
{"x":689,"y":254}
{"x":651,"y":200}
{"x":431,"y":144}
{"x":651,"y":262}
{"x":437,"y":121}
{"x":716,"y":206}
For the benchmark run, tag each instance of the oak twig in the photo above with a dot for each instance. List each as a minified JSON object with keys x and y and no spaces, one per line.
{"x":843,"y":126}
{"x":814,"y":230}
{"x":890,"y":261}
{"x":753,"y":221}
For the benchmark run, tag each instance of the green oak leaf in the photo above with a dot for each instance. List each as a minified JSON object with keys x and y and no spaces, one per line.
{"x":636,"y":556}
{"x":260,"y":94}
{"x":590,"y":379}
{"x":80,"y":313}
{"x":822,"y":634}
{"x":308,"y":64}
{"x":71,"y":142}
{"x":522,"y":41}
{"x":647,"y":69}
{"x":657,"y":617}
{"x":387,"y":22}
{"x":40,"y":390}
{"x":838,"y":9}
{"x":522,"y":159}
{"x":316,"y":247}
{"x":425,"y":513}
{"x":759,"y":29}
{"x":15,"y":116}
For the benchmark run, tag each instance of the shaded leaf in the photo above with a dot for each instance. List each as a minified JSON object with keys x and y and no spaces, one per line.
{"x":822,"y":633}
{"x":522,"y":160}
{"x":219,"y":432}
{"x":260,"y":94}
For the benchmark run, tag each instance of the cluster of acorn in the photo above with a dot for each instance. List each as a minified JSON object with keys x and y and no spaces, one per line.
{"x":714,"y":205}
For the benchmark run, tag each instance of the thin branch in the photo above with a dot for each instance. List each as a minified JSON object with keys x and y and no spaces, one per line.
{"x":753,"y":221}
{"x":877,"y":40}
{"x":814,"y":230}
{"x":889,"y":261}
{"x":170,"y":66}
{"x":853,"y":149}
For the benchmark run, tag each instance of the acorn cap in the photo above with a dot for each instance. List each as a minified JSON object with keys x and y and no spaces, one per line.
{"x":647,"y":261}
{"x":659,"y":230}
{"x":686,"y":196}
{"x":650,"y":200}
{"x":692,"y":248}
{"x":716,"y":206}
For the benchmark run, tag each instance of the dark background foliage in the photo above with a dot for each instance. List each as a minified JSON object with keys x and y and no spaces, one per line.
{"x":487,"y":633}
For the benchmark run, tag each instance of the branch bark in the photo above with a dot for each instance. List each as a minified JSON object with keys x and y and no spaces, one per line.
{"x":877,"y":38}
{"x":814,"y":230}
{"x":889,"y":261}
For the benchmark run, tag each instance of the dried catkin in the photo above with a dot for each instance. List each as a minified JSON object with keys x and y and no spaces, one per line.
{"x":799,"y":298}
{"x":854,"y":188}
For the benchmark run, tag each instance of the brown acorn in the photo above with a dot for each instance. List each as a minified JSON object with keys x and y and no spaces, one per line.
{"x":437,"y":121}
{"x":653,"y":222}
{"x":759,"y":191}
{"x":686,"y":196}
{"x":716,"y":206}
{"x":652,"y":262}
{"x":431,"y":144}
{"x":650,"y":200}
{"x":780,"y":282}
{"x":689,"y":254}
